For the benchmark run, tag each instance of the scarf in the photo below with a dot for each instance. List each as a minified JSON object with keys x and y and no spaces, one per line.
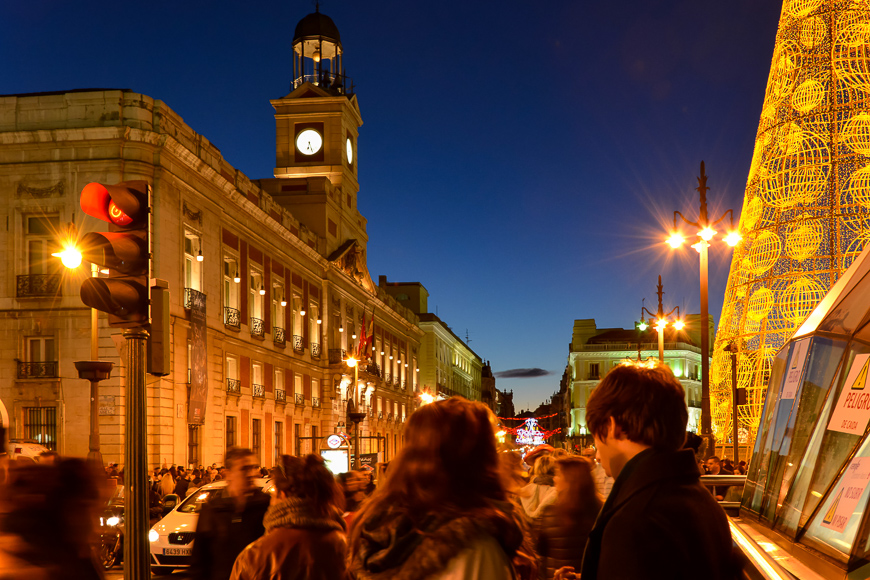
{"x":297,"y":513}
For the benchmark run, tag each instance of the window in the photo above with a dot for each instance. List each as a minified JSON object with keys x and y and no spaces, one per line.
{"x":189,"y":361}
{"x":314,"y":328}
{"x":193,"y":444}
{"x":278,"y":385}
{"x":257,"y":375}
{"x":192,"y":260}
{"x":297,"y":428}
{"x":256,"y":435}
{"x":232,"y":367}
{"x":231,"y":283}
{"x":40,"y":425}
{"x":593,"y":371}
{"x":42,"y":231}
{"x":315,"y":388}
{"x":279,"y":440}
{"x":277,"y":309}
{"x":297,"y":315}
{"x":40,"y":349}
{"x":297,"y":384}
{"x":231,"y":431}
{"x":403,"y":411}
{"x":313,"y":438}
{"x":255,"y":303}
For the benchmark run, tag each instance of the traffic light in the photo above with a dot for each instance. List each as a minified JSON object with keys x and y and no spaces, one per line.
{"x":124,"y":250}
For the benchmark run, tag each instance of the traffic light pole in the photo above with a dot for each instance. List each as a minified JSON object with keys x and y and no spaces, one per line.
{"x":137,"y":557}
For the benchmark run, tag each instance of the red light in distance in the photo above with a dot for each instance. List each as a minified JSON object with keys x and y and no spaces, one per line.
{"x":117,"y":216}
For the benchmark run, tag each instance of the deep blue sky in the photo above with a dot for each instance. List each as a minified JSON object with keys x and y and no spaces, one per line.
{"x":520,"y":159}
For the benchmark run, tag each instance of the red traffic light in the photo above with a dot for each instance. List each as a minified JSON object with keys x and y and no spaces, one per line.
{"x":122,"y":205}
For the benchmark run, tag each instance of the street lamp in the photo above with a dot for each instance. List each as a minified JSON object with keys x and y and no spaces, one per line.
{"x":353,"y":416}
{"x":706,"y":233}
{"x":661,"y":321}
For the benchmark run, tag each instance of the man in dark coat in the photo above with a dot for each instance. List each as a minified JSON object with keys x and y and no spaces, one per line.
{"x":658,"y":522}
{"x":227,"y":524}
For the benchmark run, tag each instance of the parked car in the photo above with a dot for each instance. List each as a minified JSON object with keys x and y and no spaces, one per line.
{"x":24,"y":449}
{"x":172,"y":537}
{"x":110,"y":550}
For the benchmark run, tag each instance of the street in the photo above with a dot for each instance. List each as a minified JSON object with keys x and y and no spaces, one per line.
{"x":117,"y":573}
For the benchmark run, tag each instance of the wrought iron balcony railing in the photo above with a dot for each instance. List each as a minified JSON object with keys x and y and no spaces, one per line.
{"x":232,"y":317}
{"x":380,"y":415}
{"x":404,"y":384}
{"x":388,"y":379}
{"x":234,"y":386}
{"x":337,"y":356}
{"x":258,"y":327}
{"x":300,"y":399}
{"x":373,"y":369}
{"x":315,"y":402}
{"x":280,"y":396}
{"x":189,"y":294}
{"x":298,"y":344}
{"x":278,"y":336}
{"x":390,"y":418}
{"x":35,"y":285}
{"x":315,"y":349}
{"x":37,"y":370}
{"x":259,"y":391}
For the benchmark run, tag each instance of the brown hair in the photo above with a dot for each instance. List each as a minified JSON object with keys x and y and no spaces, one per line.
{"x":308,"y":478}
{"x":647,"y":403}
{"x":236,"y":453}
{"x":581,"y":493}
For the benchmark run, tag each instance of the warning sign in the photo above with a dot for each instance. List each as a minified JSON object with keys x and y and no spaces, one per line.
{"x":846,"y":499}
{"x":795,"y":369}
{"x":853,"y":407}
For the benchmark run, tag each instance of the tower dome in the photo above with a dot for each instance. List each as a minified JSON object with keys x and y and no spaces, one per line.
{"x":317,"y":54}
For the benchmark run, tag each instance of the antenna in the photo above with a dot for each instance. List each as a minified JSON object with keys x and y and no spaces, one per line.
{"x":467,"y":340}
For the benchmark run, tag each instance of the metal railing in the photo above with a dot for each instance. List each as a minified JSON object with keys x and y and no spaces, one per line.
{"x":315,"y":349}
{"x":632,"y":346}
{"x":37,"y":370}
{"x":232,"y":317}
{"x":315,"y":402}
{"x":404,"y":384}
{"x":298,"y":344}
{"x":731,"y":501}
{"x":280,"y":396}
{"x":371,"y":412}
{"x":34,"y":285}
{"x":189,"y":294}
{"x":259,"y":391}
{"x":300,"y":399}
{"x":332,"y":82}
{"x":337,"y":356}
{"x":388,"y":379}
{"x":380,"y":415}
{"x":390,"y":418}
{"x":373,"y":369}
{"x":278,"y":336}
{"x":234,"y":386}
{"x":258,"y":327}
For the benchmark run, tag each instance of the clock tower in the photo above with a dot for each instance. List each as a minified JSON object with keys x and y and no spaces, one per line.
{"x":317,"y":125}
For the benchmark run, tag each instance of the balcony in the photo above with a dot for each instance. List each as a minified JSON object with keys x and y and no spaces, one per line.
{"x":371,"y":412}
{"x":380,"y":415}
{"x":315,"y":402}
{"x":280,"y":396}
{"x":37,"y":370}
{"x":278,"y":337}
{"x":232,"y":317}
{"x":298,"y":344}
{"x":373,"y":369}
{"x":258,"y":328}
{"x":404,"y":385}
{"x":315,"y":349}
{"x":388,"y":379}
{"x":300,"y":399}
{"x":36,"y":285}
{"x":337,"y":356}
{"x":234,"y":386}
{"x":190,"y":294}
{"x":259,"y":391}
{"x":390,"y":418}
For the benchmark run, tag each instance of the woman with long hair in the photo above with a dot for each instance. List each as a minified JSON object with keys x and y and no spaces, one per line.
{"x":305,"y":534}
{"x":442,"y":511}
{"x":564,"y":526}
{"x":540,"y":492}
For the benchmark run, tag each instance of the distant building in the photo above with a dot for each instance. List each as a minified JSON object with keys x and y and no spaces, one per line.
{"x":488,"y":392}
{"x":505,"y":407}
{"x":447,"y":363}
{"x":594,"y":351}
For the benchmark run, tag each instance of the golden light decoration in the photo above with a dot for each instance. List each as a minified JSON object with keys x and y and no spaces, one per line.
{"x":804,"y":238}
{"x":806,"y":211}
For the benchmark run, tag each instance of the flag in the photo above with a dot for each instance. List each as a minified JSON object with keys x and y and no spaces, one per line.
{"x":370,"y":337}
{"x":360,"y":347}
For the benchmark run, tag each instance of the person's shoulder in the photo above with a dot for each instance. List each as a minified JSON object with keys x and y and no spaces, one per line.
{"x":483,"y":558}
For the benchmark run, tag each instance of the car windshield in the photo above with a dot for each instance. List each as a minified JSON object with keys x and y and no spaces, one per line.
{"x":117,"y":496}
{"x":194,"y":502}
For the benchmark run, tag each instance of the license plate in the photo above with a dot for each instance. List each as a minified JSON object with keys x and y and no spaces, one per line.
{"x":177,"y":551}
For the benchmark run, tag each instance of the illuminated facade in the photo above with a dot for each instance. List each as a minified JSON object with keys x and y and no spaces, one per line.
{"x":806,"y":210}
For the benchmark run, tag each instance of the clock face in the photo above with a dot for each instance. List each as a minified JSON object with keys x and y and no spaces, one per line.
{"x":309,"y":142}
{"x":349,"y":151}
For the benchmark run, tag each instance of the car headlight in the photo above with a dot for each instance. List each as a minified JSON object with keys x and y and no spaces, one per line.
{"x":153,"y":536}
{"x":113,"y":521}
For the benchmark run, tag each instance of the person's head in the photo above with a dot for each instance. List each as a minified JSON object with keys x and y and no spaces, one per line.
{"x":241,"y":470}
{"x":173,"y":472}
{"x":511,"y":467}
{"x":545,"y":466}
{"x":636,"y":407}
{"x":589,"y":453}
{"x":48,"y":457}
{"x":713,"y":465}
{"x":574,"y":484}
{"x":307,"y":478}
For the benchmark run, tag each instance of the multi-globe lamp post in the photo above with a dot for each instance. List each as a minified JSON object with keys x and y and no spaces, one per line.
{"x":706,"y":233}
{"x":660,"y":320}
{"x":354,"y":416}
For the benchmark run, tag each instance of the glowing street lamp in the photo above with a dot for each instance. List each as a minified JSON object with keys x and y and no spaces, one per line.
{"x":706,"y":233}
{"x":70,"y":257}
{"x":353,"y":416}
{"x":661,"y":322}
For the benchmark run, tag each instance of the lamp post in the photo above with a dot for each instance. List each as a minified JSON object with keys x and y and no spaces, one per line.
{"x":706,"y":233}
{"x":661,"y":321}
{"x":354,"y":416}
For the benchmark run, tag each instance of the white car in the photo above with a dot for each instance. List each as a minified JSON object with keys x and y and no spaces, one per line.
{"x":24,"y":449}
{"x":171,"y":538}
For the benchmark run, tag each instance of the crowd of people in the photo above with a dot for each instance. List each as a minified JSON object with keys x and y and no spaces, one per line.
{"x":452,"y":505}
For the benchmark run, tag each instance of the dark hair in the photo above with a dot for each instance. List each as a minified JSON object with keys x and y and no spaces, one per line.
{"x":714,"y":458}
{"x":308,"y":478}
{"x":647,"y":403}
{"x":581,"y":494}
{"x":236,"y":453}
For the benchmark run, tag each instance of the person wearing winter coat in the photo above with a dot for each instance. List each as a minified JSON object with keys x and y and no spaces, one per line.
{"x":305,"y":534}
{"x":563,"y":527}
{"x":540,"y":492}
{"x":443,"y":512}
{"x":167,"y":482}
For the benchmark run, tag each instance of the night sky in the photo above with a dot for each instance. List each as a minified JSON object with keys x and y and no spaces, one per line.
{"x":520,"y":159}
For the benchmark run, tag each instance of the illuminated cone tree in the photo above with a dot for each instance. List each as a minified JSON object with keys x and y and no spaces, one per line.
{"x":806,"y":211}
